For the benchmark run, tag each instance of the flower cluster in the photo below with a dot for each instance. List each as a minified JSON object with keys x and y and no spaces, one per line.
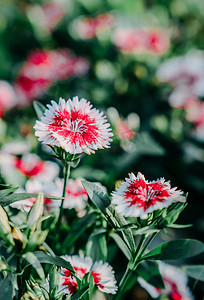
{"x":88,"y":28}
{"x":74,"y":126}
{"x":142,"y":41}
{"x":136,"y":197}
{"x":103,"y":274}
{"x":42,"y":68}
{"x":175,"y":282}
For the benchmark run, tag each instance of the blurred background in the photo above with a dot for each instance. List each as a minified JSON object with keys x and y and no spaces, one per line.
{"x":140,"y":61}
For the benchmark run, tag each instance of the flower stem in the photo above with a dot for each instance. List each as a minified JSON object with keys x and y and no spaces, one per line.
{"x":19,"y":283}
{"x":147,"y":244}
{"x":66,"y":176}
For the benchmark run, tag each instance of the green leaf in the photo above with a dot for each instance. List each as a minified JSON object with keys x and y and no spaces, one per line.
{"x":74,"y":163}
{"x":149,"y":271}
{"x":6,"y":287}
{"x":78,"y":229}
{"x":123,"y":247}
{"x":96,"y":247}
{"x":99,"y":197}
{"x":16,"y":197}
{"x":146,"y":230}
{"x":8,"y":191}
{"x":180,"y":226}
{"x":194,"y":271}
{"x":54,"y":260}
{"x":39,"y":109}
{"x":178,"y":249}
{"x":33,"y":260}
{"x":80,"y":293}
{"x":88,"y":280}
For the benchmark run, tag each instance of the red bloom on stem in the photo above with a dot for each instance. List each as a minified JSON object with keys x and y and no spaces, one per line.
{"x":137,"y":197}
{"x":74,"y":126}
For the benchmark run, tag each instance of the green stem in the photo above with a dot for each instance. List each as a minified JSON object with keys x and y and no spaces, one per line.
{"x":147,"y":244}
{"x":19,"y":283}
{"x":66,"y":176}
{"x":130,"y":269}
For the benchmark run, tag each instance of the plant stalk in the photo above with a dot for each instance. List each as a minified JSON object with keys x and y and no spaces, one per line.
{"x":19,"y":283}
{"x":66,"y":176}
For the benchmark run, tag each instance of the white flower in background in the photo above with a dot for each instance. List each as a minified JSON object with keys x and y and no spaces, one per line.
{"x":7,"y":97}
{"x":15,"y":148}
{"x":103,"y":274}
{"x":175,"y":282}
{"x":186,"y":74}
{"x":74,"y":126}
{"x":136,"y":197}
{"x":36,"y":187}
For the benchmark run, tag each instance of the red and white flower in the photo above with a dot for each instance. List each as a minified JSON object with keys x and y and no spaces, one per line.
{"x":7,"y":97}
{"x":103,"y":274}
{"x":74,"y":126}
{"x":136,"y":197}
{"x":29,"y":165}
{"x":175,"y":282}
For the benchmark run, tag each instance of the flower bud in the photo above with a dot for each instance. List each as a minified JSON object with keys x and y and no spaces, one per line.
{"x":36,"y":210}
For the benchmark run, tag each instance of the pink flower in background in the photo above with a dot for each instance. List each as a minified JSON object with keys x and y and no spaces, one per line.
{"x":42,"y":68}
{"x":124,"y":131}
{"x":88,"y":28}
{"x":130,"y":40}
{"x":157,"y":41}
{"x":53,"y":12}
{"x":175,"y":282}
{"x":74,"y":126}
{"x":142,"y":40}
{"x":7,"y":97}
{"x":103,"y":274}
{"x":136,"y":197}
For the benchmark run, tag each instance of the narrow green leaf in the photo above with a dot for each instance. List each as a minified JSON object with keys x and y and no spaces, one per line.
{"x":194,"y":271}
{"x":180,"y":226}
{"x":146,"y":230}
{"x":6,"y":287}
{"x":178,"y":249}
{"x":39,"y":109}
{"x":8,"y":191}
{"x":78,"y":229}
{"x":16,"y":197}
{"x":80,"y":293}
{"x":123,"y":247}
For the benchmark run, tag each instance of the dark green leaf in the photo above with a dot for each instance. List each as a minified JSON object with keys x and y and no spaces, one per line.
{"x":96,"y":247}
{"x":8,"y":191}
{"x":88,"y":280}
{"x":194,"y":271}
{"x":39,"y":109}
{"x":7,"y":288}
{"x":80,"y":293}
{"x":178,"y":249}
{"x":78,"y":229}
{"x":33,"y":260}
{"x":123,"y":247}
{"x":20,"y":196}
{"x":180,"y":226}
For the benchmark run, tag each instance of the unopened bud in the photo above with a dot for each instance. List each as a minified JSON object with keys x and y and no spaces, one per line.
{"x":36,"y":210}
{"x":4,"y":221}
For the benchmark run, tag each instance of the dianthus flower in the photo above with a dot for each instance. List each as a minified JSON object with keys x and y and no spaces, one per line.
{"x":103,"y":274}
{"x":7,"y":97}
{"x":136,"y":197}
{"x":175,"y":282}
{"x":74,"y":126}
